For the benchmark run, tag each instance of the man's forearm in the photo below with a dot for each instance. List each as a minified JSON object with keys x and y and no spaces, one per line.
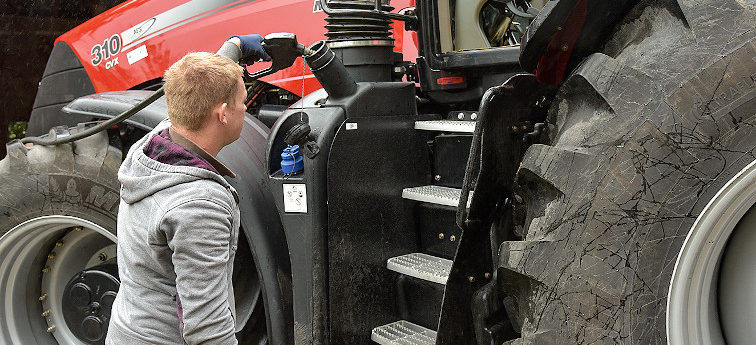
{"x":230,"y":49}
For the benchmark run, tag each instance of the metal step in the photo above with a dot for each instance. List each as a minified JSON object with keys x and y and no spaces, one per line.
{"x":403,"y":333}
{"x":435,"y":194}
{"x":423,"y":266}
{"x":446,"y":126}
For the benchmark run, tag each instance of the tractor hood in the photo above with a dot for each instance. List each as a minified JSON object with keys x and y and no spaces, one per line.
{"x":136,"y":41}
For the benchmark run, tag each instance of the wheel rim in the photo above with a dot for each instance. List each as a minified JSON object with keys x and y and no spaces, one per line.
{"x":32,"y":279}
{"x":695,"y":299}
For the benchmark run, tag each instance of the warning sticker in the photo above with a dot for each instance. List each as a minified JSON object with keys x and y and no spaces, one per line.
{"x":295,"y":198}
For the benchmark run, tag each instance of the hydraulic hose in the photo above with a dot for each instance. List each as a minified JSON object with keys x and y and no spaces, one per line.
{"x":99,"y":127}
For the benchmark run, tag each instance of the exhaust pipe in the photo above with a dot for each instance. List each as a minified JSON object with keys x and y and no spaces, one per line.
{"x":330,"y":71}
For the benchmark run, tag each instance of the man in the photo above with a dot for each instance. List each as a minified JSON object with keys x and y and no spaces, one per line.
{"x":178,"y":219}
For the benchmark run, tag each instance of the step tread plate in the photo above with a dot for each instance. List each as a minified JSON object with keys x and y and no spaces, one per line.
{"x":435,"y":194}
{"x":446,"y":126}
{"x":403,"y":333}
{"x":422,"y":266}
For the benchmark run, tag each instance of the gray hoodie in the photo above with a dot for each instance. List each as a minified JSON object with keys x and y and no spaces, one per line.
{"x":177,"y":236}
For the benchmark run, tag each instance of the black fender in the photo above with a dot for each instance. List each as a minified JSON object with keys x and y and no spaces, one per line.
{"x":262,"y":227}
{"x":106,"y":105}
{"x":259,"y":218}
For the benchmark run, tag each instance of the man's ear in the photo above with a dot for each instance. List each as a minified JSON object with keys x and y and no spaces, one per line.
{"x":220,"y":113}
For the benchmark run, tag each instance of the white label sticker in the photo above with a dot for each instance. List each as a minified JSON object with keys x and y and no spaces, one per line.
{"x":295,"y":198}
{"x":350,"y":126}
{"x":137,"y":54}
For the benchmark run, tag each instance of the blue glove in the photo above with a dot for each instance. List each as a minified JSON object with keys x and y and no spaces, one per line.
{"x":251,"y":48}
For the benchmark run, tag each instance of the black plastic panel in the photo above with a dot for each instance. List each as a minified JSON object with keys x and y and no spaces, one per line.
{"x":63,"y":81}
{"x":438,"y":231}
{"x":450,"y":159}
{"x":418,"y":301}
{"x":62,"y":58}
{"x":368,"y":221}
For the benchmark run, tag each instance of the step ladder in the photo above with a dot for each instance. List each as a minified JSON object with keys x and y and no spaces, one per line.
{"x":446,"y":126}
{"x":403,"y":333}
{"x":435,"y":194}
{"x":422,"y":266}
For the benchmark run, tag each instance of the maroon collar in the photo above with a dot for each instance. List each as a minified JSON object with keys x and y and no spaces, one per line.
{"x":170,"y":147}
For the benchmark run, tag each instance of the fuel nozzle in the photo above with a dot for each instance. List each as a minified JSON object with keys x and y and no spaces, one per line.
{"x":283,"y":49}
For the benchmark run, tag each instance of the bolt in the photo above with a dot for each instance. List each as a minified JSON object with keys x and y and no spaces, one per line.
{"x":46,"y":313}
{"x":487,"y":275}
{"x":43,"y":297}
{"x":51,"y":255}
{"x":518,"y":198}
{"x":473,"y":116}
{"x":565,"y":47}
{"x":471,"y":279}
{"x":51,"y":329}
{"x":102,"y":256}
{"x":441,"y":236}
{"x":452,"y":238}
{"x":59,"y":243}
{"x":46,"y":269}
{"x":437,"y":177}
{"x":461,"y":116}
{"x":78,"y":228}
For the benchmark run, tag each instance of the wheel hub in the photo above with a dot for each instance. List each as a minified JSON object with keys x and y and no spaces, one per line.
{"x":39,"y":259}
{"x":87,"y":300}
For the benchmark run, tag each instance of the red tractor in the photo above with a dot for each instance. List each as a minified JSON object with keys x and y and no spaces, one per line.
{"x":474,"y":171}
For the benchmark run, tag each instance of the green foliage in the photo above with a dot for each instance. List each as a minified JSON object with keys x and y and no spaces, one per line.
{"x":17,"y":130}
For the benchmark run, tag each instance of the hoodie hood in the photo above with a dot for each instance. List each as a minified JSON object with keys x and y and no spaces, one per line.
{"x":142,"y":176}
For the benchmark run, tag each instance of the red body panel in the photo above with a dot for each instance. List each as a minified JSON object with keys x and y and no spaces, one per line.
{"x":138,"y":40}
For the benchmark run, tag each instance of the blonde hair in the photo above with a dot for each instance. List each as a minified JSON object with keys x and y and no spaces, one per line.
{"x":197,"y":83}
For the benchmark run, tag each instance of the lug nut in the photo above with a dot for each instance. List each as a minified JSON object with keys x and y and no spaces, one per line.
{"x":487,"y":275}
{"x":51,"y":329}
{"x":437,"y":177}
{"x":441,"y":236}
{"x":103,"y":256}
{"x":515,"y":129}
{"x":51,"y":255}
{"x":471,"y":279}
{"x":473,"y":116}
{"x":46,"y":313}
{"x":46,"y":269}
{"x":59,"y":243}
{"x":452,"y":238}
{"x":78,"y":228}
{"x":43,"y":297}
{"x":461,"y":116}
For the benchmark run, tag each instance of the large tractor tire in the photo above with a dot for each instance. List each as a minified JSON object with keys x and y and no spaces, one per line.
{"x":648,"y":132}
{"x":58,"y":273}
{"x":58,"y":207}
